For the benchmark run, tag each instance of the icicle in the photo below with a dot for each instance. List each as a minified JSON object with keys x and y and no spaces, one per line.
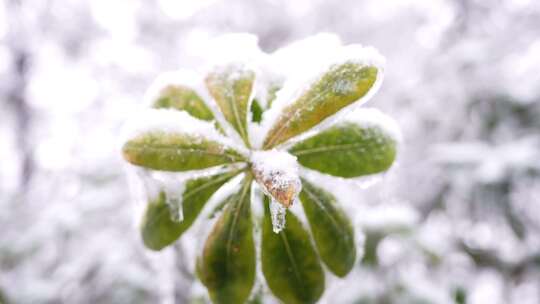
{"x":172,"y":185}
{"x":277,"y":213}
{"x":173,"y":199}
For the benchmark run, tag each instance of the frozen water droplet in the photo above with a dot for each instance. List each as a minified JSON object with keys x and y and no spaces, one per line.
{"x":277,"y":214}
{"x":174,"y":191}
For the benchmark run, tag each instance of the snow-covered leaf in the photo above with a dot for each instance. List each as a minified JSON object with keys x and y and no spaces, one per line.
{"x":331,"y":229}
{"x":231,"y":87}
{"x":290,"y":264}
{"x":339,"y":85}
{"x":177,"y":152}
{"x":181,"y":97}
{"x":227,"y":264}
{"x":159,"y":230}
{"x":363,"y":143}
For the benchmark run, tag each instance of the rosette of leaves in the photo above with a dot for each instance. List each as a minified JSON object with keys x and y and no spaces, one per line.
{"x":214,"y":118}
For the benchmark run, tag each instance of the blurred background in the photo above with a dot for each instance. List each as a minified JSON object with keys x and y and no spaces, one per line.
{"x":456,"y":221}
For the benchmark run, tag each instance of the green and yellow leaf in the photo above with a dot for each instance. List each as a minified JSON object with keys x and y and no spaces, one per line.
{"x":183,"y":98}
{"x":340,"y":86}
{"x":231,"y":88}
{"x":177,"y":152}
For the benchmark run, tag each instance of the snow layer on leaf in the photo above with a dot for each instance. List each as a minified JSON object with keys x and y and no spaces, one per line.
{"x":361,"y":116}
{"x":184,"y":77}
{"x":300,"y":81}
{"x":373,"y":117}
{"x":195,"y":81}
{"x":174,"y":121}
{"x":302,"y":54}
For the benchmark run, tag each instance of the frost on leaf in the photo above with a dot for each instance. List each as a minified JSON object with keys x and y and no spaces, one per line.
{"x":171,"y":140}
{"x":346,"y":81}
{"x":277,"y":174}
{"x":231,"y":87}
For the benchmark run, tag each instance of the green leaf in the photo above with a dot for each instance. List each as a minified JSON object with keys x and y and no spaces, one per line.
{"x":289,"y":261}
{"x":331,"y":229}
{"x":348,"y":150}
{"x":177,"y":152}
{"x":159,"y":230}
{"x":227,"y":265}
{"x":231,"y":88}
{"x":339,"y":87}
{"x":183,"y":98}
{"x":256,"y":111}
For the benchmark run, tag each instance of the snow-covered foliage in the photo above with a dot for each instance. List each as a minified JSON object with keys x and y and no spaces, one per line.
{"x":183,"y":153}
{"x":453,"y":221}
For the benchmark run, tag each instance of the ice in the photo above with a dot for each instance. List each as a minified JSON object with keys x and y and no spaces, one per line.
{"x":277,"y":213}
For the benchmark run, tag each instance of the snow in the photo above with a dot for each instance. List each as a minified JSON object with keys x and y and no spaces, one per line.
{"x":302,"y":54}
{"x":371,"y":117}
{"x":183,"y":77}
{"x":277,"y":175}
